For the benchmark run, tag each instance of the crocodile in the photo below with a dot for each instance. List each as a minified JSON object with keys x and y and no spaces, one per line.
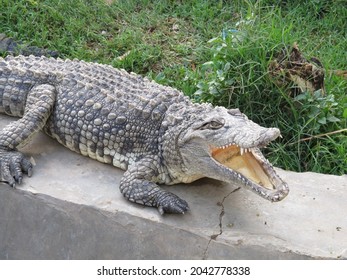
{"x":153,"y":132}
{"x":11,"y":46}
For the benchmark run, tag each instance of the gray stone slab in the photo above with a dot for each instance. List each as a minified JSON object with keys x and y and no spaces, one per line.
{"x":72,"y":209}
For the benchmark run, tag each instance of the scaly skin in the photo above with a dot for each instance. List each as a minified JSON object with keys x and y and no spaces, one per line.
{"x":153,"y":132}
{"x":10,"y":46}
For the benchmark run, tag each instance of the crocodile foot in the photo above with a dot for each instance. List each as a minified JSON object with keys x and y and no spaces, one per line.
{"x":171,"y":203}
{"x":12,"y":166}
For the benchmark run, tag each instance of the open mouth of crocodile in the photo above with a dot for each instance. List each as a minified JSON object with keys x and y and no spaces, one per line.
{"x":251,"y":168}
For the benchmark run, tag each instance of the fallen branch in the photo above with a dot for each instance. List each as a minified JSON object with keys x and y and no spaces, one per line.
{"x":340,"y":73}
{"x":319,"y":135}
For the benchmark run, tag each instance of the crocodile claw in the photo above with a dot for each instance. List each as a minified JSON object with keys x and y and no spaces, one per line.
{"x":12,"y":166}
{"x":171,"y":203}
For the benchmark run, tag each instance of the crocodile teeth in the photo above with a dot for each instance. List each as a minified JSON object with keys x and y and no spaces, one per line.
{"x":242,"y":150}
{"x":225,"y":146}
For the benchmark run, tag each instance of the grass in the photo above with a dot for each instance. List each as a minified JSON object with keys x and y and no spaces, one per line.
{"x":180,"y":43}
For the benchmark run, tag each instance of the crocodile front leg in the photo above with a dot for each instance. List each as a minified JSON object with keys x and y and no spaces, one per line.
{"x":39,"y":104}
{"x":138,"y":185}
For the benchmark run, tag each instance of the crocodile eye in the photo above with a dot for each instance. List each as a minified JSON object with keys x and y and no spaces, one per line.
{"x":235,"y":112}
{"x":213,"y":124}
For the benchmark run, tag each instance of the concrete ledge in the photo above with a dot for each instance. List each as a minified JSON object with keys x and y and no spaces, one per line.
{"x":72,"y":209}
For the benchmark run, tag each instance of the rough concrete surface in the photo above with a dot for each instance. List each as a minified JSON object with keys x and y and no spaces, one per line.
{"x":71,"y":208}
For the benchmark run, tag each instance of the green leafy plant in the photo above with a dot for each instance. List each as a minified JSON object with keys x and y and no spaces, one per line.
{"x":236,"y":75}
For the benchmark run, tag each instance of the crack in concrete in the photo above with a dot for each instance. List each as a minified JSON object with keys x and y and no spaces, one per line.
{"x":215,"y":236}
